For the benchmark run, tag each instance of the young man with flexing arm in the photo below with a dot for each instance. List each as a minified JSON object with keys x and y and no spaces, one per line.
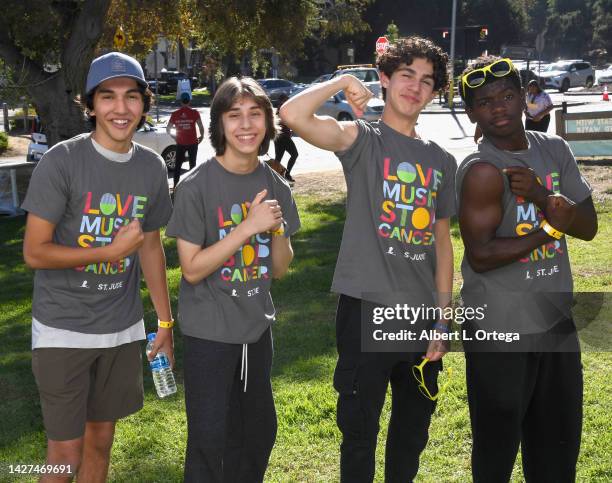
{"x":95,"y":205}
{"x":518,"y":196}
{"x":396,"y":239}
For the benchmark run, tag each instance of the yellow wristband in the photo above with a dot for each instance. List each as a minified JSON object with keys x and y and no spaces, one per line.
{"x":548,"y":228}
{"x":280,"y":231}
{"x":165,"y":325}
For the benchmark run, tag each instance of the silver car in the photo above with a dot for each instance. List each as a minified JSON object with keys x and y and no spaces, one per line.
{"x":605,"y":76}
{"x":567,"y":73}
{"x":338,"y":108}
{"x":366,"y":73}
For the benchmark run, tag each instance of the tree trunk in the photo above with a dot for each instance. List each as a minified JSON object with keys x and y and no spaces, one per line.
{"x":53,"y":94}
{"x":60,"y":114}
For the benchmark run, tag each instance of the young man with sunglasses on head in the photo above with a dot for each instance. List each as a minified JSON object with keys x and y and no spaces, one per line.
{"x":396,"y":239}
{"x":518,"y":195}
{"x":95,"y":205}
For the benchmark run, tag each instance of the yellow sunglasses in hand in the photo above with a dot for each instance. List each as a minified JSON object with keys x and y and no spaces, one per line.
{"x":417,"y":372}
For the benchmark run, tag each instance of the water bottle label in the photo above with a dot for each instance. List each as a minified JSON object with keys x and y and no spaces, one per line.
{"x":160,"y":362}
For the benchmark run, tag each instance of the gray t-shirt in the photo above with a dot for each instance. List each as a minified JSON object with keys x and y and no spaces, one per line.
{"x":547,"y":268}
{"x":398,"y":186}
{"x":88,"y":197}
{"x":233,"y":304}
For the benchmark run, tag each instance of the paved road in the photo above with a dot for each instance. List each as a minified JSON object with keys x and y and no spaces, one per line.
{"x":452,"y":131}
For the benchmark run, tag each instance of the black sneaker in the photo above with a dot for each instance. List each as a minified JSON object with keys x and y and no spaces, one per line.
{"x":289,"y":178}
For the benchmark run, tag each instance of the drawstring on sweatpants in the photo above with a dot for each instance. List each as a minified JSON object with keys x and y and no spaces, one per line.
{"x":244,"y":368}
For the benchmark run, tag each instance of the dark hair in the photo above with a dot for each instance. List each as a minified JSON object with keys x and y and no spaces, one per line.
{"x":404,"y":51}
{"x":228,"y":93}
{"x":468,"y":97}
{"x":87,"y":104}
{"x":535,"y":83}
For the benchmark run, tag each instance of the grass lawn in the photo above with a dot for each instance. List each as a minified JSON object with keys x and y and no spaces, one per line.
{"x":149,"y":446}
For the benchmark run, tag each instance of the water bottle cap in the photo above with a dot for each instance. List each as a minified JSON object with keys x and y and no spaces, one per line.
{"x":151,"y":336}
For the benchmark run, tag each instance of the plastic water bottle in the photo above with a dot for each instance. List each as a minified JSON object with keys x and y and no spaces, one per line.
{"x":160,"y":368}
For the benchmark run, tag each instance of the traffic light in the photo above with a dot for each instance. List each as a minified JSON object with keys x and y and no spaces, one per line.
{"x":444,"y":34}
{"x":484,"y":33}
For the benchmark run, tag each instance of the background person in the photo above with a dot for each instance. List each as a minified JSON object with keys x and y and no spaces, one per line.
{"x":184,"y":121}
{"x":539,"y":106}
{"x":283,"y":142}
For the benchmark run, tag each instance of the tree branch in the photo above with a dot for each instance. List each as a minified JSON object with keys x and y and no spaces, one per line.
{"x":11,"y":54}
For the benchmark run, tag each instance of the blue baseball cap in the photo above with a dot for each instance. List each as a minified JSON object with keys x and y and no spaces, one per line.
{"x":112,"y":65}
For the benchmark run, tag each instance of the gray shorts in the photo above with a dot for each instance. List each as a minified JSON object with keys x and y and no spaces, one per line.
{"x":80,"y":385}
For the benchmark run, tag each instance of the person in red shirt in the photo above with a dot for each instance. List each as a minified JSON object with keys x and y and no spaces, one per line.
{"x":184,"y":121}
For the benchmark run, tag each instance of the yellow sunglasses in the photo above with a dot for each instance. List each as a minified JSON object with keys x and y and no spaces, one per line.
{"x":417,"y":372}
{"x":477,"y":77}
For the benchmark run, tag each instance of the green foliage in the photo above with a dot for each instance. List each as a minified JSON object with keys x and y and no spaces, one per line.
{"x":4,"y":143}
{"x":392,"y":32}
{"x":601,"y":22}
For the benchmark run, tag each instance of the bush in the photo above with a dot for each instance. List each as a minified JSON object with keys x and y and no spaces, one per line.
{"x":3,"y":142}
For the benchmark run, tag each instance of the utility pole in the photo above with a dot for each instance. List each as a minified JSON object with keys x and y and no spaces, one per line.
{"x":451,"y":93}
{"x":156,"y":81}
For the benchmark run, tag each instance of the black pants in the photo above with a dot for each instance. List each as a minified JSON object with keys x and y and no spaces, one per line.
{"x":530,"y":398}
{"x":192,"y":151}
{"x":285,"y":143}
{"x":230,"y":433}
{"x":361,"y":380}
{"x":542,"y":126}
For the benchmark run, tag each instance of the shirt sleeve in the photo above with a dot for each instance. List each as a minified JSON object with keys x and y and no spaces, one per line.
{"x":188,"y":221}
{"x":359,"y":149}
{"x":49,"y":189}
{"x":445,"y":198}
{"x":160,"y":206}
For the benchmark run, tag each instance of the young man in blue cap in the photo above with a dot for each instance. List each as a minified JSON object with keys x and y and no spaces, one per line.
{"x":184,"y":121}
{"x":95,"y":205}
{"x":518,"y":195}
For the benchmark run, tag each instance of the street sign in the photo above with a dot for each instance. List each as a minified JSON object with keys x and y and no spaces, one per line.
{"x":119,"y":38}
{"x":382,"y":44}
{"x":518,"y":52}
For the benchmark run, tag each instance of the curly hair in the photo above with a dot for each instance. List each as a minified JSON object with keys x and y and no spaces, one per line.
{"x":228,"y":93}
{"x":468,"y":97}
{"x":405,"y":50}
{"x":87,"y":104}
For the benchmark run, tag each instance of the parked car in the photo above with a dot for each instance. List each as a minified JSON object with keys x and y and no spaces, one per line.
{"x":156,"y":138}
{"x":338,"y":108}
{"x":276,"y":87}
{"x":605,"y":76}
{"x":366,"y":73}
{"x":567,"y":73}
{"x":148,"y":135}
{"x":322,"y":78}
{"x":37,"y":147}
{"x":169,"y":80}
